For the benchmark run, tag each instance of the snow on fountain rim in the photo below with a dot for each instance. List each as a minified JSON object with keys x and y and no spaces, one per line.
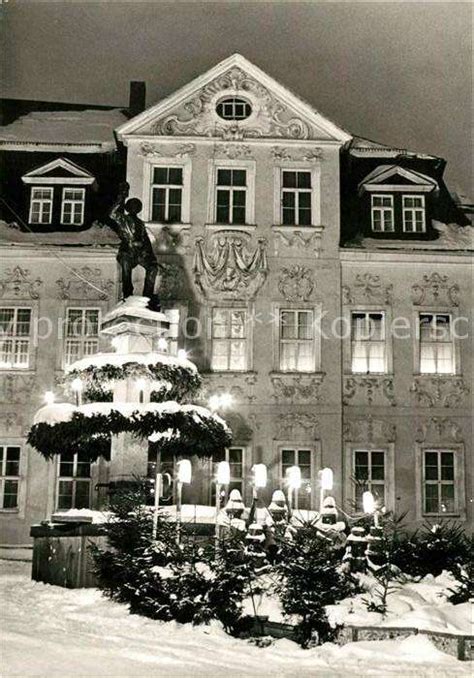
{"x":63,"y":412}
{"x":138,"y":306}
{"x":120,"y":359}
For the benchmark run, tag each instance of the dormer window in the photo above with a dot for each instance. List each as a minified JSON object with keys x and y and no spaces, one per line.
{"x":41,"y":205}
{"x":382,"y":213}
{"x":414,"y":213}
{"x":72,"y":207}
{"x":233,"y":108}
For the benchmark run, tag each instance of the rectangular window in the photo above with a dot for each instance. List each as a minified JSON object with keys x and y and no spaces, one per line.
{"x":436,"y":344}
{"x":74,"y":481}
{"x":231,"y":196}
{"x":235,"y":456}
{"x":72,"y":208}
{"x":414,"y":213}
{"x":296,"y":195}
{"x":382,"y":213}
{"x":167,"y":194}
{"x":15,"y":329}
{"x":438,"y":480}
{"x":82,"y":333}
{"x":9,"y":476}
{"x":297,"y":351}
{"x":41,"y":205}
{"x":368,"y":344}
{"x":229,"y":339}
{"x":301,"y":458}
{"x":369,"y":475}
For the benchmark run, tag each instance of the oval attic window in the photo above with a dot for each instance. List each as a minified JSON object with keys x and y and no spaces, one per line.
{"x":233,"y":108}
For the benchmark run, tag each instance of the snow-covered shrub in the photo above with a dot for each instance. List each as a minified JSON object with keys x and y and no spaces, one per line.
{"x":161,"y":579}
{"x":310,"y":578}
{"x":464,"y":574}
{"x":432,"y":549}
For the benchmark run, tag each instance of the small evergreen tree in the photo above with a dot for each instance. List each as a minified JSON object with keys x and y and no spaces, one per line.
{"x":309,"y":579}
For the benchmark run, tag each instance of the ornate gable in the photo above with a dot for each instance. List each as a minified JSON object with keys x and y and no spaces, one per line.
{"x":271,"y":111}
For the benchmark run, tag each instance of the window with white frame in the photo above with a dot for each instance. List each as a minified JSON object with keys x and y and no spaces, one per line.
{"x":82,"y":333}
{"x":41,"y":205}
{"x":15,"y":338}
{"x":436,"y":344}
{"x":382,"y":213}
{"x":235,"y":456}
{"x":369,"y":470}
{"x":233,"y":108}
{"x":72,"y":206}
{"x":74,"y":481}
{"x":296,"y":198}
{"x":167,"y":194}
{"x":414,"y":213}
{"x":231,"y":196}
{"x":439,"y":489}
{"x":297,"y":346}
{"x":9,"y":476}
{"x":368,"y":342}
{"x":302,"y":457}
{"x":229,"y":339}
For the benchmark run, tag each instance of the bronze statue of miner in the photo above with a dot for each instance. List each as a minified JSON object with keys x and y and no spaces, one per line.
{"x":135,"y":245}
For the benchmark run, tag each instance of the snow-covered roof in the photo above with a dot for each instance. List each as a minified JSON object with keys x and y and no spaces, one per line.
{"x":55,"y":129}
{"x":95,"y":236}
{"x":361,"y":147}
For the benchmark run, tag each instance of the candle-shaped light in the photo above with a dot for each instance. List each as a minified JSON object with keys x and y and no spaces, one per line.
{"x":226,"y":400}
{"x":49,"y":397}
{"x":260,"y":475}
{"x":214,"y":402}
{"x":162,"y":344}
{"x":182,"y":354}
{"x":369,"y":505}
{"x":76,"y":386}
{"x":293,"y":477}
{"x":184,"y":471}
{"x":223,"y":473}
{"x":326,"y":482}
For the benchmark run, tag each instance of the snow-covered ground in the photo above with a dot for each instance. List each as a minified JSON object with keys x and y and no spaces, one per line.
{"x":50,"y":631}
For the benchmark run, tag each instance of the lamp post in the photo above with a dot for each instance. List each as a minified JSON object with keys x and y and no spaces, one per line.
{"x":222,"y":478}
{"x":184,"y":476}
{"x":141,"y":383}
{"x":77,"y":386}
{"x":158,"y":488}
{"x":293,"y":475}
{"x":326,"y":482}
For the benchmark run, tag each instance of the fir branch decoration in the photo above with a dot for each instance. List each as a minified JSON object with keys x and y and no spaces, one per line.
{"x":191,"y":432}
{"x":179,"y":381}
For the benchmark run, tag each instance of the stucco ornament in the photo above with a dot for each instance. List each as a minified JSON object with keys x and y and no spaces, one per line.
{"x":85,"y":283}
{"x":438,"y":429}
{"x":297,"y":426}
{"x":371,"y":390}
{"x":230,"y":269}
{"x":282,"y":154}
{"x":293,"y":241}
{"x":296,"y":283}
{"x":369,"y":287}
{"x":369,"y":429}
{"x":17,"y":284}
{"x":269,"y":118}
{"x":240,"y":385}
{"x":10,"y":421}
{"x":439,"y":391}
{"x":152,"y":150}
{"x":16,"y":388}
{"x":301,"y":388}
{"x":233,"y":151}
{"x":435,"y":288}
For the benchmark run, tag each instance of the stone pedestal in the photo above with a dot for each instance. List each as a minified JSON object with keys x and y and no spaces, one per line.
{"x":135,"y":330}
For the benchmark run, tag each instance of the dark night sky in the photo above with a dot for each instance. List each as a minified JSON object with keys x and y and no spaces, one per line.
{"x":399,"y":73}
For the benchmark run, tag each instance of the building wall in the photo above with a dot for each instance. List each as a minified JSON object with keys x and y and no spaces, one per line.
{"x":41,"y":279}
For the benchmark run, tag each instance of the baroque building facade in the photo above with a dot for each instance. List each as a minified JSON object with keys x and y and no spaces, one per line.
{"x":322,"y":280}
